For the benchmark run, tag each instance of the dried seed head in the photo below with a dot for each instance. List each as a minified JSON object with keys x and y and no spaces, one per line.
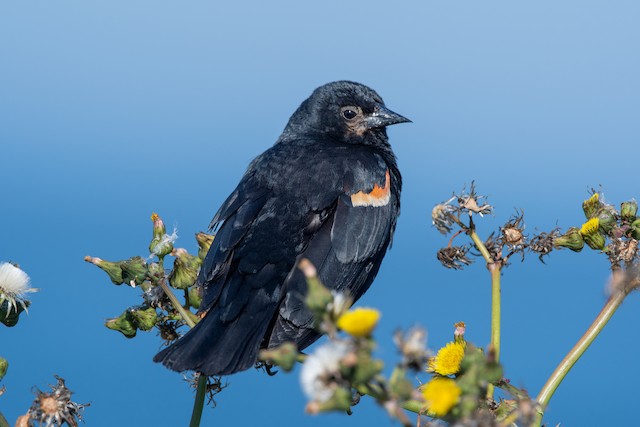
{"x":443,"y":216}
{"x":542,"y":243}
{"x":454,"y":257}
{"x":471,"y":202}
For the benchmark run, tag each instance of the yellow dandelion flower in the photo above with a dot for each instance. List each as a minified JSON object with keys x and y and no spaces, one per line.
{"x":590,"y":227}
{"x":359,"y":322}
{"x":440,"y":395}
{"x":448,"y":359}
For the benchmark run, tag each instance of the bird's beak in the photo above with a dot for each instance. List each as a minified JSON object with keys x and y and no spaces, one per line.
{"x":382,"y":116}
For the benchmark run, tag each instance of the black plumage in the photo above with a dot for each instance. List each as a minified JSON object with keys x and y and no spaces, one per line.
{"x":328,"y":191}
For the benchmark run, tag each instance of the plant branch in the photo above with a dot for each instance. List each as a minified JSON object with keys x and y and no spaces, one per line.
{"x":198,"y":404}
{"x":578,"y":350}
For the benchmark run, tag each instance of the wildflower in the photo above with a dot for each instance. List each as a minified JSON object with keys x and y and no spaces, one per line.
{"x":591,"y":205}
{"x":448,"y":359}
{"x":413,"y":346}
{"x":591,"y":235}
{"x":320,"y":373}
{"x":572,"y":239}
{"x":359,"y":322}
{"x":443,"y":216}
{"x":162,"y":243}
{"x":14,"y":286}
{"x":458,"y":334}
{"x":56,"y":407}
{"x":440,"y":395}
{"x":454,"y":257}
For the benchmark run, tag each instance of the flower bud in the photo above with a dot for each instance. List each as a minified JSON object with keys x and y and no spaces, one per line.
{"x":400,"y":386}
{"x":606,"y":219}
{"x":635,"y":229}
{"x":204,"y":243}
{"x":123,"y":324}
{"x":155,"y":272}
{"x":4,"y":365}
{"x":195,"y":296}
{"x":339,"y":401}
{"x":628,"y":210}
{"x":144,"y":319}
{"x":366,"y":368}
{"x":318,"y":296}
{"x":185,"y":269}
{"x":572,"y":239}
{"x":285,"y":356}
{"x":161,"y":244}
{"x":134,"y":271}
{"x":591,"y":205}
{"x":113,"y":269}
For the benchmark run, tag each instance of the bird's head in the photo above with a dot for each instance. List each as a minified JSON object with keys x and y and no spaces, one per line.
{"x":343,"y":111}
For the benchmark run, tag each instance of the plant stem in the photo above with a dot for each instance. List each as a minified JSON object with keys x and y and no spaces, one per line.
{"x":176,"y":304}
{"x":3,"y":421}
{"x":578,"y":350}
{"x":495,"y":268}
{"x":495,"y":317}
{"x":198,"y":404}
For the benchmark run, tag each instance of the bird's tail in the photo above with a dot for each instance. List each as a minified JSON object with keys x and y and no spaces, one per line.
{"x":216,"y":348}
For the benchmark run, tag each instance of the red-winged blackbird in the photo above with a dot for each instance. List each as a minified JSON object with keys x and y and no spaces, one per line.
{"x":329,"y":191}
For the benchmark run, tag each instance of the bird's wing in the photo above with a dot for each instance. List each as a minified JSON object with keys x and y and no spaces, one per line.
{"x":347,"y":250}
{"x":241,"y":287}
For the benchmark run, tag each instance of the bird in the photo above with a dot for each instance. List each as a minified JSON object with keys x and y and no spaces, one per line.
{"x":328,"y":191}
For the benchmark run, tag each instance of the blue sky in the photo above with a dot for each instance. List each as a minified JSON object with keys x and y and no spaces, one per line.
{"x":110,"y":111}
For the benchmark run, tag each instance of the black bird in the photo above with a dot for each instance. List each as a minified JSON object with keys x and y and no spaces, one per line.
{"x":329,"y":191}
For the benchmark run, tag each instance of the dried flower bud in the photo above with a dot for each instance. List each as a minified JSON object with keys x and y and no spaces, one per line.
{"x":628,"y":211}
{"x":112,"y":269}
{"x":454,"y":257}
{"x":443,"y":216}
{"x":458,"y":333}
{"x":284,"y":356}
{"x":123,"y":324}
{"x":591,"y":205}
{"x":572,"y":239}
{"x":413,"y":346}
{"x":4,"y":365}
{"x":144,"y":319}
{"x":204,"y":243}
{"x":185,"y":269}
{"x":134,"y":271}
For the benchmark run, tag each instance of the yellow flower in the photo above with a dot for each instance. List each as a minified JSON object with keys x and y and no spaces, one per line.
{"x":440,"y":395}
{"x":359,"y":322}
{"x":590,"y":227}
{"x":448,"y":359}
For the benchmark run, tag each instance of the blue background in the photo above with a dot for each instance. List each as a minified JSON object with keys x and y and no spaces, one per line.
{"x":112,"y":110}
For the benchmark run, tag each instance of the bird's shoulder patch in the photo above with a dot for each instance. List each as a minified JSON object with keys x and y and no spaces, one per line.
{"x":379,"y":196}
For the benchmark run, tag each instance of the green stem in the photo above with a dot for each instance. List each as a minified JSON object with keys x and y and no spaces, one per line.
{"x":495,"y":317}
{"x":495,"y":268}
{"x":3,"y":421}
{"x":576,"y":352}
{"x":198,"y":404}
{"x":176,"y":304}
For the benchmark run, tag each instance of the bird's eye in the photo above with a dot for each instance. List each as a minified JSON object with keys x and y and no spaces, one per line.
{"x":349,"y":113}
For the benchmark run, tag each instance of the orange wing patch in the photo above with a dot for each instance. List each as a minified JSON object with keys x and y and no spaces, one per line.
{"x":379,"y":196}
